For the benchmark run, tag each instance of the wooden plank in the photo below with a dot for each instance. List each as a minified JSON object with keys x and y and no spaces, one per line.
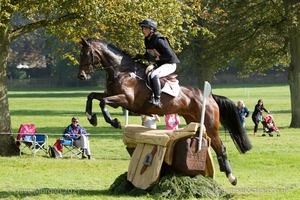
{"x":134,"y":134}
{"x":209,"y":167}
{"x":191,"y":127}
{"x":135,"y":159}
{"x":153,"y":137}
{"x":151,"y":175}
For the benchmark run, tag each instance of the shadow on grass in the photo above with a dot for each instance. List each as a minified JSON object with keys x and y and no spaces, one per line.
{"x":48,"y":95}
{"x":113,"y":112}
{"x":44,"y":112}
{"x":281,"y":112}
{"x":20,"y":194}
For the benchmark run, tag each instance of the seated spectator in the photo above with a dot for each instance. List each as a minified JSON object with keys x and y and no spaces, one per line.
{"x":79,"y":135}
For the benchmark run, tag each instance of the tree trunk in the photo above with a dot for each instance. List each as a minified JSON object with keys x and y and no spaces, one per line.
{"x":294,"y":76}
{"x":204,"y":74}
{"x":7,"y":142}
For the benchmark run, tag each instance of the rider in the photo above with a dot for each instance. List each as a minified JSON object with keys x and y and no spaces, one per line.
{"x":158,"y":50}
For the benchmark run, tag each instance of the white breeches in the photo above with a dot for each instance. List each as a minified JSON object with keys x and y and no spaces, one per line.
{"x":164,"y":70}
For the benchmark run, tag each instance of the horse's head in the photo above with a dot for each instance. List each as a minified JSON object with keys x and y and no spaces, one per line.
{"x":88,"y":60}
{"x":112,"y":59}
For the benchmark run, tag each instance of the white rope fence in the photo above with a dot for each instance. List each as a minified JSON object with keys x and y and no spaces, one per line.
{"x":54,"y":134}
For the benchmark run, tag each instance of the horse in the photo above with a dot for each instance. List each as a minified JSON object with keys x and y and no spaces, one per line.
{"x":126,"y":87}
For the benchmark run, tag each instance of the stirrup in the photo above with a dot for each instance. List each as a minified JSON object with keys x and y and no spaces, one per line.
{"x":156,"y":102}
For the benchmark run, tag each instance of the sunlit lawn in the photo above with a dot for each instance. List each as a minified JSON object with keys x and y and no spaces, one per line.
{"x":269,"y":171}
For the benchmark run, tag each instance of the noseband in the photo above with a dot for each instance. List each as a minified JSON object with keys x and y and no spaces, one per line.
{"x":92,"y":58}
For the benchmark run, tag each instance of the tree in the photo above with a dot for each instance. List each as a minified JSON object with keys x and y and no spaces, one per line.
{"x":255,"y":36}
{"x":71,"y":20}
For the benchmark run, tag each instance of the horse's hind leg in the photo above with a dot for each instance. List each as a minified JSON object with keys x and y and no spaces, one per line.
{"x":223,"y":161}
{"x":225,"y":166}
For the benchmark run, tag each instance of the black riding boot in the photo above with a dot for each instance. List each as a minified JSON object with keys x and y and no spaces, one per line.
{"x":156,"y":91}
{"x":84,"y":154}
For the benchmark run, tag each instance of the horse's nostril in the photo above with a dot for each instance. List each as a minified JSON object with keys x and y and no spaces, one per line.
{"x":81,"y":77}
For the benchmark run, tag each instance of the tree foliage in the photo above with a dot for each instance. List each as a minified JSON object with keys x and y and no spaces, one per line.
{"x":260,"y":34}
{"x":255,"y":33}
{"x":253,"y":36}
{"x":116,"y":21}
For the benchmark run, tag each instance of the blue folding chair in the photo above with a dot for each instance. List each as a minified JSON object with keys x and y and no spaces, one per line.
{"x":71,"y":149}
{"x":35,"y":142}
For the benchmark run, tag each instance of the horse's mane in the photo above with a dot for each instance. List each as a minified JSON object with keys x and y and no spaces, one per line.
{"x":110,"y":45}
{"x":116,"y":49}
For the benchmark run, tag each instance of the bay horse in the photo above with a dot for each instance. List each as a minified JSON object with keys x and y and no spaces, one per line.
{"x":126,"y":87}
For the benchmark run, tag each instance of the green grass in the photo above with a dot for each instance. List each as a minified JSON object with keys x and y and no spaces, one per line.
{"x":268,"y":171}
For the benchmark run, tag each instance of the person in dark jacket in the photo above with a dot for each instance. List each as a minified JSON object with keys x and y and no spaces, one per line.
{"x":257,"y":114}
{"x":78,"y":134}
{"x":159,"y":51}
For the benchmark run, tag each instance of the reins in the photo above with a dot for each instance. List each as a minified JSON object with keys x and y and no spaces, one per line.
{"x":115,"y":68}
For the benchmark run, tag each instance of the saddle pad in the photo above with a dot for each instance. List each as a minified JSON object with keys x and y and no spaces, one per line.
{"x":171,"y":88}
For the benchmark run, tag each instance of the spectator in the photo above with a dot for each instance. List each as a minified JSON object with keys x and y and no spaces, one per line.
{"x":257,"y":114}
{"x":243,"y":111}
{"x":150,"y":121}
{"x":79,"y":135}
{"x":172,"y":121}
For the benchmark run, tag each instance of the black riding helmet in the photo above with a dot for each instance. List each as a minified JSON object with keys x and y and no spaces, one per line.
{"x":149,"y":23}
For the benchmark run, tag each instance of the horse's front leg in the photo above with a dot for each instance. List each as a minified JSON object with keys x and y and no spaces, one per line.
{"x":115,"y":102}
{"x":115,"y":122}
{"x":88,"y":109}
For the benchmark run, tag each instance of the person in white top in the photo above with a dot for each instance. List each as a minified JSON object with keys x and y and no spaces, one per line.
{"x":150,"y":121}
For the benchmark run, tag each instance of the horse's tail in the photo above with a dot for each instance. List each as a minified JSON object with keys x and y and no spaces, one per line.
{"x":230,"y":120}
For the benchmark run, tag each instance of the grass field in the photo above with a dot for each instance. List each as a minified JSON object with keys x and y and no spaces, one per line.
{"x":269,"y":171}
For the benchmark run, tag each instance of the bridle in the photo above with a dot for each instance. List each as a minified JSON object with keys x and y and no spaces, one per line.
{"x":92,"y":52}
{"x":94,"y":55}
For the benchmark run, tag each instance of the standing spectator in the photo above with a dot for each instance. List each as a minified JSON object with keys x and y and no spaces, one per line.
{"x":243,"y":111}
{"x":150,"y":121}
{"x":172,"y":121}
{"x":257,"y":114}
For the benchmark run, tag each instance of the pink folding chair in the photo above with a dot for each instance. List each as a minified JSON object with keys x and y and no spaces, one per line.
{"x":28,"y":136}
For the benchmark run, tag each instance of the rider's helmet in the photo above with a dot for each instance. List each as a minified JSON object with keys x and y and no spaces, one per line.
{"x":149,"y":23}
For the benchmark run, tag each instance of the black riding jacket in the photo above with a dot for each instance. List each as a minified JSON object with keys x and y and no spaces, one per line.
{"x":162,"y":45}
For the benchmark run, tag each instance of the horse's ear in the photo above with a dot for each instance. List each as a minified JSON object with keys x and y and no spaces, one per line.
{"x":84,"y":42}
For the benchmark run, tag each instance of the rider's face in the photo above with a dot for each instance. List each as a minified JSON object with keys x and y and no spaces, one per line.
{"x":146,"y":31}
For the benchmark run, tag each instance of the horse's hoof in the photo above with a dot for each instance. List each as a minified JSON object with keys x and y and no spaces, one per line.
{"x":232,"y":179}
{"x":93,"y":120}
{"x":234,"y":182}
{"x":116,"y":123}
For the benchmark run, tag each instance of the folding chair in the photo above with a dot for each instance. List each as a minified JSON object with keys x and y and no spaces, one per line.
{"x":35,"y":142}
{"x":71,"y":148}
{"x":25,"y":128}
